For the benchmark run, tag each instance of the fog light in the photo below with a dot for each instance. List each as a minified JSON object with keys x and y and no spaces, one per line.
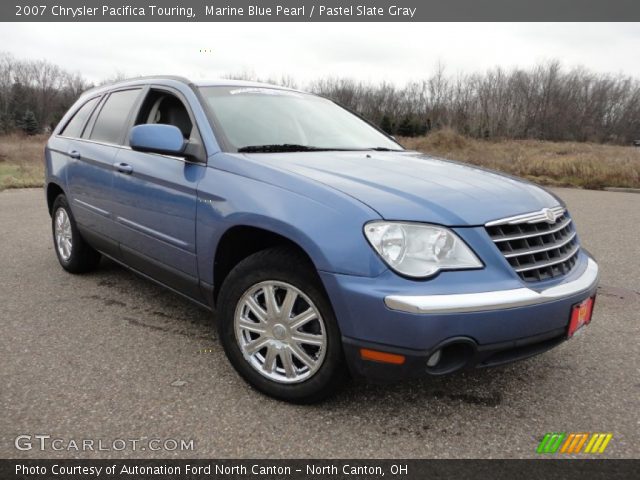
{"x":434,"y":359}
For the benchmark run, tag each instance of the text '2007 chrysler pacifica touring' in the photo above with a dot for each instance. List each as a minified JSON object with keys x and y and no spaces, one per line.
{"x":325,"y":248}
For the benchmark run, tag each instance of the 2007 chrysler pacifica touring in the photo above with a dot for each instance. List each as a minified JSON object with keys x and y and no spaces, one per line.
{"x":324,"y":246}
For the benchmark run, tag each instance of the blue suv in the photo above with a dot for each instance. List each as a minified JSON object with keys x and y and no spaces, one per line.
{"x":325,"y":248}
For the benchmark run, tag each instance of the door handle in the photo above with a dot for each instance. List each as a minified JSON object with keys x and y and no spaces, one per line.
{"x":123,"y":168}
{"x":74,"y":154}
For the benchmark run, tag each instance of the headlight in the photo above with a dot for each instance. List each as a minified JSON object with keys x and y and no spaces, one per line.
{"x":419,"y":250}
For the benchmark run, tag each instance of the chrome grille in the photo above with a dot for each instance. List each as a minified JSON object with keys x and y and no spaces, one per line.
{"x":539,"y":245}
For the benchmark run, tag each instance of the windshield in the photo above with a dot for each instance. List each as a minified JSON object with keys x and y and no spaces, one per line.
{"x":257,"y":119}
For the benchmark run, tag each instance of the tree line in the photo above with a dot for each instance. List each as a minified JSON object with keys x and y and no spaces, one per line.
{"x":34,"y":94}
{"x":546,"y":102}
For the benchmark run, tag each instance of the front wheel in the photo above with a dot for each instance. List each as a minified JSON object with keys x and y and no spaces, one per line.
{"x":278,"y":329}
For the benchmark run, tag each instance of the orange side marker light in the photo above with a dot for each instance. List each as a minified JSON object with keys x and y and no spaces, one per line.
{"x":383,"y":357}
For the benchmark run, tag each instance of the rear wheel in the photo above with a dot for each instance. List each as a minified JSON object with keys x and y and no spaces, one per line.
{"x":278,"y":329}
{"x":74,"y":254}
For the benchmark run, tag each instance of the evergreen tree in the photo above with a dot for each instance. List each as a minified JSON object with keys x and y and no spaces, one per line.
{"x":29,"y":123}
{"x":421,"y":128}
{"x":406,"y":127}
{"x":386,"y":124}
{"x":5,"y":123}
{"x":18,"y":103}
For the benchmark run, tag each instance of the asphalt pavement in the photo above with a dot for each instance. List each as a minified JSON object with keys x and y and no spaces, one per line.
{"x":109,"y":357}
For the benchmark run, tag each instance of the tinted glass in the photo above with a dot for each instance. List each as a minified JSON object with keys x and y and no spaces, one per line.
{"x":113,"y":116}
{"x":76,"y":125}
{"x":269,"y":116}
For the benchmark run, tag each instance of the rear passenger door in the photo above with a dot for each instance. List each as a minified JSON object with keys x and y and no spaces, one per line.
{"x":88,"y":191}
{"x":92,"y":153}
{"x":155,"y":198}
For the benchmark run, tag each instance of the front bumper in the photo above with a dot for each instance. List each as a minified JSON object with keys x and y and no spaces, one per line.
{"x":491,"y":327}
{"x":496,"y":300}
{"x":478,"y":356}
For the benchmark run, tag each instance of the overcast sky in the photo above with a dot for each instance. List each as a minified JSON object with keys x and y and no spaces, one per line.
{"x":370,"y":51}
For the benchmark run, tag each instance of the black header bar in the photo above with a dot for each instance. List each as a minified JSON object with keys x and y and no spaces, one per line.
{"x":319,"y":11}
{"x":566,"y":469}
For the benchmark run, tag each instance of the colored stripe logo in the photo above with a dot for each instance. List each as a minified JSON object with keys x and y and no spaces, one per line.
{"x":556,"y":442}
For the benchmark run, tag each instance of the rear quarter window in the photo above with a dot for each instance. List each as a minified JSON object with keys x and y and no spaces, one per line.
{"x":113,"y":116}
{"x":76,"y":125}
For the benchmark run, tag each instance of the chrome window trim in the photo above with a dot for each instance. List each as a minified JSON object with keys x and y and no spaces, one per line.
{"x":127,"y":147}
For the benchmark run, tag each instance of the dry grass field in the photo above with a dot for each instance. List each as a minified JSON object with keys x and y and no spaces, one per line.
{"x":583,"y":165}
{"x":21,"y":161}
{"x":567,"y":164}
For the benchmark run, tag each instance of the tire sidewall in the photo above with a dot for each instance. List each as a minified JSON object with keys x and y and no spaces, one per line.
{"x":242,"y":278}
{"x":61,"y":203}
{"x":78,"y":260}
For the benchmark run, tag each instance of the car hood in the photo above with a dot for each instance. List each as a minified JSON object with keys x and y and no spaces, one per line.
{"x":416,"y":187}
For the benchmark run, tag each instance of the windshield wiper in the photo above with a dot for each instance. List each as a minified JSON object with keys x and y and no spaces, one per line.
{"x":293,"y":147}
{"x":281,"y":147}
{"x":384,"y":149}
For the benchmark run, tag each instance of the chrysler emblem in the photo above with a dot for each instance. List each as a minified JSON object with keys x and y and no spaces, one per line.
{"x":549,"y":215}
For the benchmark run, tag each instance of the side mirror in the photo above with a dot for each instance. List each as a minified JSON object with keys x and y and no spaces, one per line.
{"x":157,"y":138}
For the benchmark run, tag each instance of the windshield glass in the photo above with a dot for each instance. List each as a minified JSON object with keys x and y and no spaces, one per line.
{"x":268,"y":119}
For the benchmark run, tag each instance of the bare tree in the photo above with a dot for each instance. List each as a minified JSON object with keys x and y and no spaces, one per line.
{"x":546,"y":101}
{"x":35,"y":86}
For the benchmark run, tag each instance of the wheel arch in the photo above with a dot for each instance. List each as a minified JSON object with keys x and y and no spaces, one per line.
{"x":242,"y":240}
{"x":52,"y":191}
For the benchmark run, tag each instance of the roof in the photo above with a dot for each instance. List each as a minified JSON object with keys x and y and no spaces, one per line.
{"x":200,"y":83}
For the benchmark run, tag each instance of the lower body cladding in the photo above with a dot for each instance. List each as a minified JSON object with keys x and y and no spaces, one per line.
{"x":389,"y":334}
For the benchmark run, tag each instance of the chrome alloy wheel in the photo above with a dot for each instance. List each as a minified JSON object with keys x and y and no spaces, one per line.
{"x":280,"y":332}
{"x":63,"y":235}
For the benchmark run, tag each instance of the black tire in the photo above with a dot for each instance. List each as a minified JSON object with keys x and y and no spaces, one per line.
{"x":282,"y":265}
{"x":82,"y":258}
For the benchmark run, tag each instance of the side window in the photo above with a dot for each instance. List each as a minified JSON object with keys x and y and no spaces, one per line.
{"x":113,"y":116}
{"x":165,"y":108}
{"x":76,"y":124}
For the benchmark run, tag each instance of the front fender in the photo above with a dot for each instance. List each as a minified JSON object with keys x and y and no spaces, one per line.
{"x":327,"y":227}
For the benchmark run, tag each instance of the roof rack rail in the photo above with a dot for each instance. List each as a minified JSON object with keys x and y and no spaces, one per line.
{"x":177,"y":78}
